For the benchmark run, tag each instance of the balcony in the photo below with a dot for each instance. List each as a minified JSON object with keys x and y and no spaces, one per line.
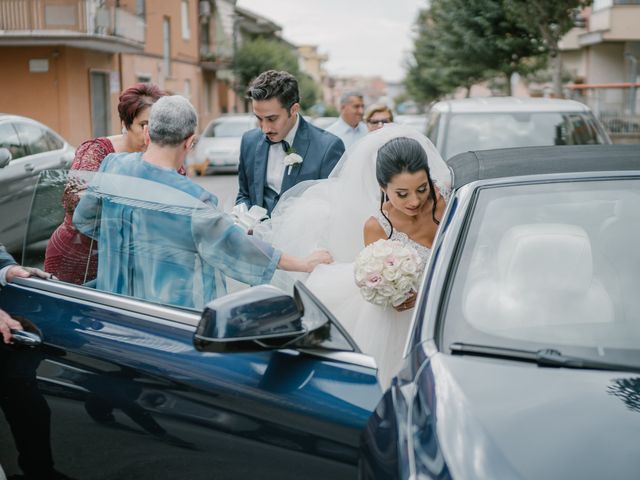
{"x":87,"y":24}
{"x":613,"y":21}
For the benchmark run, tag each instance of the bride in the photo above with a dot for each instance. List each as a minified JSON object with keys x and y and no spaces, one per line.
{"x":391,"y":184}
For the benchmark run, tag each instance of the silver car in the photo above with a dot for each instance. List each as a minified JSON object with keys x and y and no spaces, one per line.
{"x":27,"y":147}
{"x":483,"y":123}
{"x":218,"y":148}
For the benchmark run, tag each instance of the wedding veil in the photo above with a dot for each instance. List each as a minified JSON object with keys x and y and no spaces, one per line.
{"x":331,"y":213}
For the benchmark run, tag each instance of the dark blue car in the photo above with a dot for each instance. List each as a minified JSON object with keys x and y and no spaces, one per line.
{"x":522,"y":361}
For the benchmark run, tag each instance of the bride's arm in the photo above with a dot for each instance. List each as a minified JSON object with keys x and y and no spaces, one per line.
{"x":373,"y":231}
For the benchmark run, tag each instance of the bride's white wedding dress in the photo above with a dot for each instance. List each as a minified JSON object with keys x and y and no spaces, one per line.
{"x":331,"y":214}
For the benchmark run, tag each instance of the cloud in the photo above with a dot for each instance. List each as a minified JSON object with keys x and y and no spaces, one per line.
{"x":372,"y":42}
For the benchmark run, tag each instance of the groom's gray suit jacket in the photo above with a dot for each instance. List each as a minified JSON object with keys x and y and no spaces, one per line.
{"x":319,"y":149}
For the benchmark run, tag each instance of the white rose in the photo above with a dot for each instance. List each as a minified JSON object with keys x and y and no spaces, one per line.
{"x":409,"y":266}
{"x":391,"y":274}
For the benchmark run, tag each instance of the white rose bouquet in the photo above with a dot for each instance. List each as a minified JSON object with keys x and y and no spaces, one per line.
{"x":387,"y":271}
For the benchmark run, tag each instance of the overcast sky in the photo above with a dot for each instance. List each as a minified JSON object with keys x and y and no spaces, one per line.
{"x":361,"y":37}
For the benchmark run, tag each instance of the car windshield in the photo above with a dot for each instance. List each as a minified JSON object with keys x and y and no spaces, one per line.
{"x":484,"y":131}
{"x":552,"y":265}
{"x":229,"y":128}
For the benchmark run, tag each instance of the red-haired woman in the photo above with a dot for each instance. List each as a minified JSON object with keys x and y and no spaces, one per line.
{"x":71,"y":256}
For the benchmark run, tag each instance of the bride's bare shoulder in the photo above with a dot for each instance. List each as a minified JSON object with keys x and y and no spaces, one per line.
{"x":373,"y":231}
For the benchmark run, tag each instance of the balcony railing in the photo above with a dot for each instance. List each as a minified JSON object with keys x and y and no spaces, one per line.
{"x":53,"y":18}
{"x":617,"y":105}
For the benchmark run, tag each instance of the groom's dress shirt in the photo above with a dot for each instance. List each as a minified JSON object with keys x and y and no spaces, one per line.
{"x":346,"y":132}
{"x":275,"y":162}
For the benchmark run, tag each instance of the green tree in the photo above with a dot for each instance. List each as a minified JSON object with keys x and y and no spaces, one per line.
{"x":462,"y":42}
{"x":309,"y":91}
{"x":550,"y":20}
{"x":256,"y":56}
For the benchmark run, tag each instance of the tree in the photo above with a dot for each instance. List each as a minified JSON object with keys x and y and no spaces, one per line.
{"x":462,"y":42}
{"x":550,"y":20}
{"x":256,"y":56}
{"x":309,"y":91}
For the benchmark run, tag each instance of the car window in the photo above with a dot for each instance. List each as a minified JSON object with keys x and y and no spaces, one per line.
{"x":229,"y":128}
{"x":9,"y":139}
{"x":53,"y":141}
{"x":33,"y":137}
{"x":432,"y":129}
{"x":483,"y":131}
{"x":551,"y":266}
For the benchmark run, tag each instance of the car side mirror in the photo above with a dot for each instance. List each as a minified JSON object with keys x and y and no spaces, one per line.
{"x":5,"y":157}
{"x":253,"y":319}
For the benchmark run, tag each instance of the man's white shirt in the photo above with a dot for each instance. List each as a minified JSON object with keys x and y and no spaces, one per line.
{"x":346,"y":132}
{"x":275,"y":161}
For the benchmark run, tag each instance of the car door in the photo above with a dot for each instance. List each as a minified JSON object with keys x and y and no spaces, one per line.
{"x":117,"y":390}
{"x":16,"y":187}
{"x":34,"y":149}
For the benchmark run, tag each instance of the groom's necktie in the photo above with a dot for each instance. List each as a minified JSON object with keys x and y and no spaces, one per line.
{"x":285,"y":144}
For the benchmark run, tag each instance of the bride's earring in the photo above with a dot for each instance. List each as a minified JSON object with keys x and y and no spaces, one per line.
{"x":124,"y":130}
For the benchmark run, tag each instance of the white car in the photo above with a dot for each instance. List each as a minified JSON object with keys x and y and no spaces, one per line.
{"x":417,"y":121}
{"x":27,"y":147}
{"x":218,"y":148}
{"x":484,"y":123}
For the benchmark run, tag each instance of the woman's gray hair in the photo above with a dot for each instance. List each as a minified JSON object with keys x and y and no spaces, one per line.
{"x":172,"y":120}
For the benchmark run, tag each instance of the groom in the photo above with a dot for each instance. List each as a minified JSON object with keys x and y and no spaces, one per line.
{"x":285,"y":150}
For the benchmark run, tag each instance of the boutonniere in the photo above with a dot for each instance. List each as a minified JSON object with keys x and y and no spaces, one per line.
{"x":291,"y":159}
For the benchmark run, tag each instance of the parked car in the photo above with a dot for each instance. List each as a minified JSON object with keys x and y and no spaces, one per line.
{"x":417,"y":121}
{"x":456,"y":126}
{"x":218,"y":148}
{"x":27,"y":147}
{"x":522,"y":361}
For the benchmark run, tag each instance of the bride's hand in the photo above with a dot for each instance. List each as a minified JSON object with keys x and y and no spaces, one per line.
{"x":409,"y":303}
{"x":316,"y":258}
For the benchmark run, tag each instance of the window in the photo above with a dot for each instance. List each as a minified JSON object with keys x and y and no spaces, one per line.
{"x":184,"y":16}
{"x":100,"y":115}
{"x":53,"y":141}
{"x":9,"y":139}
{"x":187,"y":89}
{"x":166,"y":45}
{"x":551,"y":265}
{"x":33,"y":137}
{"x":141,"y":9}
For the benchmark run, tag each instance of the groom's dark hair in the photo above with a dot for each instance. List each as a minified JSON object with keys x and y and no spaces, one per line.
{"x":270,"y":84}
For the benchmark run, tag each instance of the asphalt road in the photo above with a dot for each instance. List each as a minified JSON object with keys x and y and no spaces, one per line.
{"x":223,"y":185}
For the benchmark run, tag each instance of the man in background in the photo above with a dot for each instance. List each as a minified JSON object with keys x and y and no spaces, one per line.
{"x":349,"y":126}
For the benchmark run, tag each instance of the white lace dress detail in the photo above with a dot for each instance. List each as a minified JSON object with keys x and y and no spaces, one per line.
{"x":423,"y":252}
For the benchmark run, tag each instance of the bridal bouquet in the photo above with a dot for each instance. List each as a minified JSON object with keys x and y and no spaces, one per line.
{"x":386,"y":272}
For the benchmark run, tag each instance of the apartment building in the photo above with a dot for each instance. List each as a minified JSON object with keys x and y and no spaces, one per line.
{"x":65,"y":62}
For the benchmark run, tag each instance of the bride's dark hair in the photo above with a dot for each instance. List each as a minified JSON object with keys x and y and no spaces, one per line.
{"x":401,"y":155}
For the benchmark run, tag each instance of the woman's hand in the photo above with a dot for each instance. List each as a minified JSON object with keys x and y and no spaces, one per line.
{"x":24,"y":272}
{"x":316,"y":258}
{"x":409,"y":303}
{"x":304,"y":264}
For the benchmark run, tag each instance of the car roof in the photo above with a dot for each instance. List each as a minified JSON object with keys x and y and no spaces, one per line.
{"x":12,"y":116}
{"x":509,"y":104}
{"x":514,"y":162}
